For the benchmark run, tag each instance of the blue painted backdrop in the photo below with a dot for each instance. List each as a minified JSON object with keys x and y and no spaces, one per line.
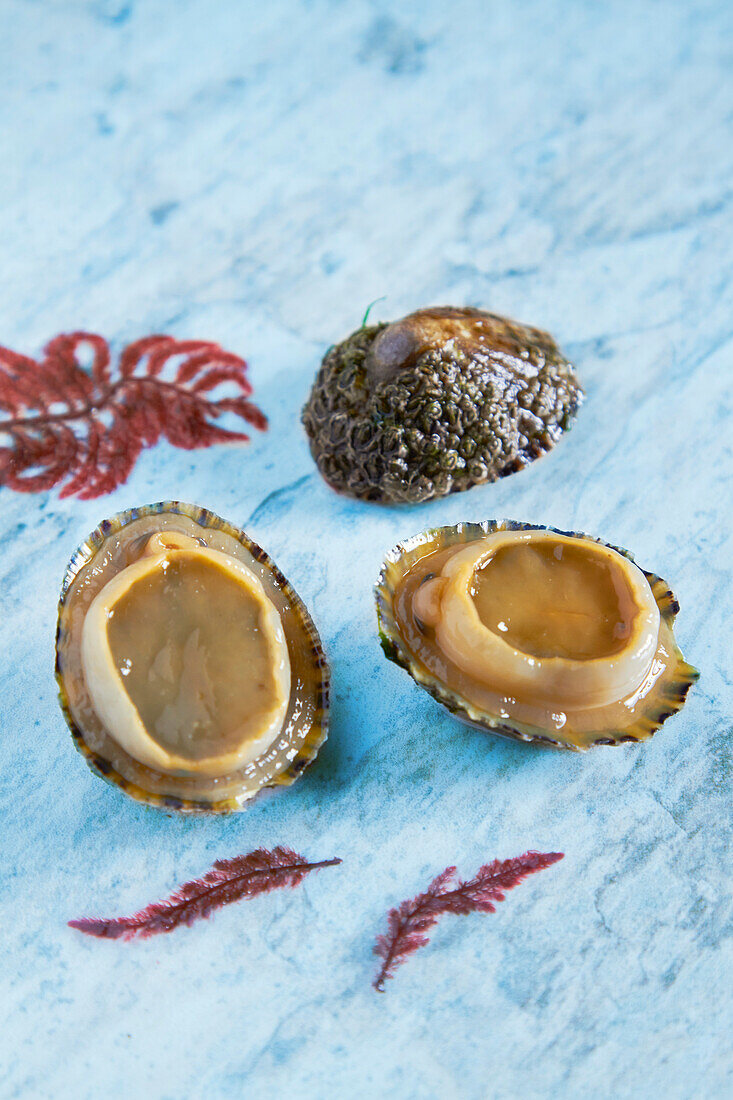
{"x":257,"y":173}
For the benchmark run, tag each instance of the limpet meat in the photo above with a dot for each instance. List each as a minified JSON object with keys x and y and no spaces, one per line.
{"x":189,"y":671}
{"x":538,"y":634}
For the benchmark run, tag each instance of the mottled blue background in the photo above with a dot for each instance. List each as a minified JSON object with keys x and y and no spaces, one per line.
{"x":257,"y":174}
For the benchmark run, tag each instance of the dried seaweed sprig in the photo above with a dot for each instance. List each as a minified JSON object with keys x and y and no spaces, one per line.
{"x":408,"y":924}
{"x":83,"y":427}
{"x":229,"y":880}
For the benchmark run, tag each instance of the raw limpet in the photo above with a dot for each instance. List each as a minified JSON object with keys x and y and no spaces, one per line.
{"x":538,"y":634}
{"x":439,"y":401}
{"x":189,"y":671}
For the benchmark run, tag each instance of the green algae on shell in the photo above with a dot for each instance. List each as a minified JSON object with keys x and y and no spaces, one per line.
{"x":110,"y":549}
{"x":435,"y":403}
{"x":413,"y":566}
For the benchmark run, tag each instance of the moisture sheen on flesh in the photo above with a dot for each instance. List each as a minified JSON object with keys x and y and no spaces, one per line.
{"x":555,"y":600}
{"x":188,"y":642}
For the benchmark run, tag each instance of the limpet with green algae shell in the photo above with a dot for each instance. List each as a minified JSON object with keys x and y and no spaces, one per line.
{"x":436,"y":402}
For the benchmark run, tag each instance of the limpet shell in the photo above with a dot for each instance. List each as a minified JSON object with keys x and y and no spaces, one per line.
{"x":437,"y":402}
{"x":665,"y":698}
{"x":305,"y":727}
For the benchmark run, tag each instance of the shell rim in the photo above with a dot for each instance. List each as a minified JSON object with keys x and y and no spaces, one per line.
{"x":97,"y":763}
{"x":684,"y":675}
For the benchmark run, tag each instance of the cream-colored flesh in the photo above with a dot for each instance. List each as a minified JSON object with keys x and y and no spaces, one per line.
{"x":554,"y":599}
{"x":557,"y":632}
{"x":185,"y":660}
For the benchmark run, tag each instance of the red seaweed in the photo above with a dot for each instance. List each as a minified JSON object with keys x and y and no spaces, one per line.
{"x":84,"y":428}
{"x":408,"y":924}
{"x":229,"y":880}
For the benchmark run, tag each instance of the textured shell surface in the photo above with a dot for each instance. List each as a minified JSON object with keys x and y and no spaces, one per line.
{"x":305,"y":726}
{"x":437,"y":402}
{"x":667,"y":698}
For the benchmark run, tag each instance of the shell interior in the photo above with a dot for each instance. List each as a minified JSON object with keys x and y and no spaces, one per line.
{"x":306,"y":723}
{"x":666,"y":701}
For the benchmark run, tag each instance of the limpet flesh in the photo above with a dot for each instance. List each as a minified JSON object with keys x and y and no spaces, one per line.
{"x":189,"y":671}
{"x":534,"y":633}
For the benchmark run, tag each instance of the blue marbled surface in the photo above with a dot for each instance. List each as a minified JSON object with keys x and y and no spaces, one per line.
{"x":256,"y":174}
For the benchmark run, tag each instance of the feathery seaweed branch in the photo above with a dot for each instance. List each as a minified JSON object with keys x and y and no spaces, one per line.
{"x":409,"y":923}
{"x":74,"y":424}
{"x":229,"y":880}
